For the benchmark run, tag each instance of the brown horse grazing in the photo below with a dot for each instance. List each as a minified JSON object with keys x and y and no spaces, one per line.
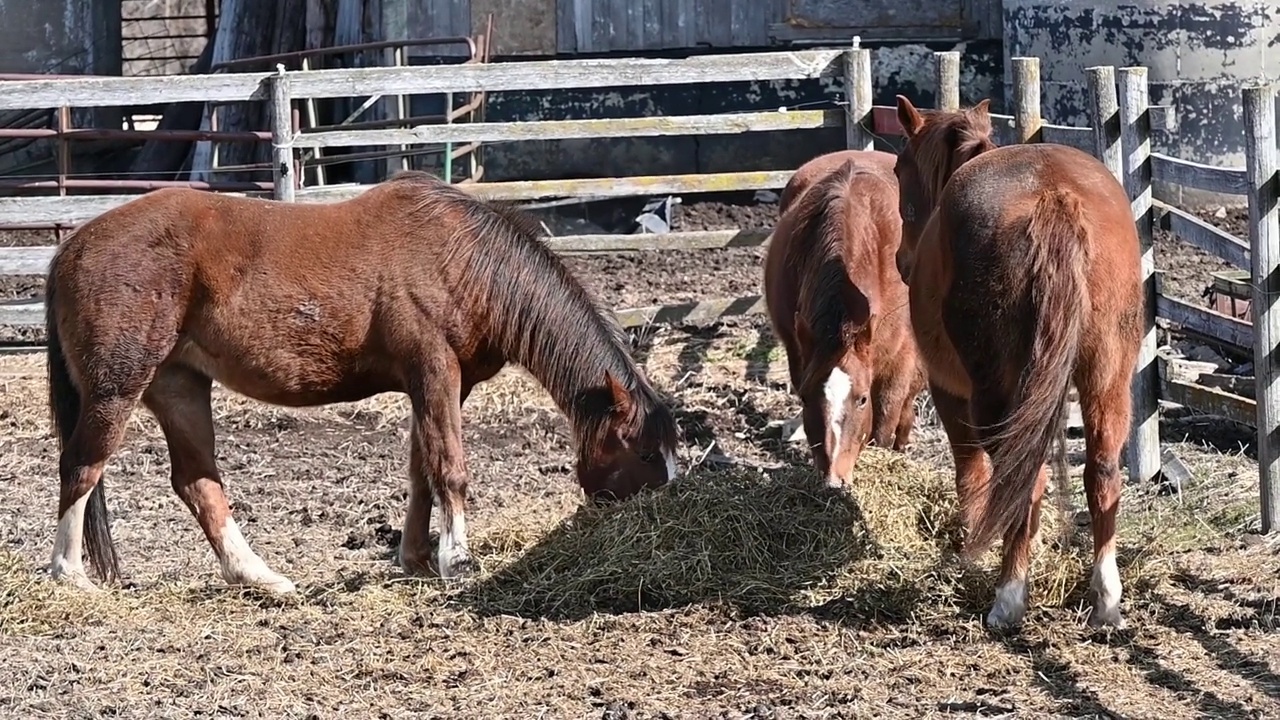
{"x":840,"y":309}
{"x":1024,"y":270}
{"x":413,"y":287}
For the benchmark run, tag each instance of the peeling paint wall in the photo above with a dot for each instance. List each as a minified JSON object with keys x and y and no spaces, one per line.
{"x":898,"y":69}
{"x":1199,"y":54}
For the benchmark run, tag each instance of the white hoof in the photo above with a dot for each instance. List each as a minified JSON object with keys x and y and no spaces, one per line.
{"x":1107,"y":589}
{"x":76,"y":577}
{"x":1102,"y":617}
{"x":457,"y":565}
{"x":1010,"y":605}
{"x":269,"y":582}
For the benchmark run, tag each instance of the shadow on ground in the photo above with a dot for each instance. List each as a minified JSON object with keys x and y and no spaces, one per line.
{"x":755,"y":543}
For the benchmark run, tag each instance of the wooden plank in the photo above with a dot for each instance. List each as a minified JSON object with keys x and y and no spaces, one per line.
{"x":1233,"y":283}
{"x":423,"y":80}
{"x":22,"y":313}
{"x":32,"y":260}
{"x":694,"y":313}
{"x":282,"y":160}
{"x":724,"y":124}
{"x":1210,"y":401}
{"x":1228,"y":181}
{"x":1076,"y":137}
{"x":77,"y":209}
{"x":1143,"y":449}
{"x":858,"y":92}
{"x":1026,"y":99}
{"x":1262,"y":163}
{"x":595,"y":187}
{"x":1198,"y":233}
{"x":1205,"y":322}
{"x":946,"y":79}
{"x":35,"y":260}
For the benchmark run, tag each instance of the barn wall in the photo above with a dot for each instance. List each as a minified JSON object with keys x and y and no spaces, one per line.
{"x":60,"y":36}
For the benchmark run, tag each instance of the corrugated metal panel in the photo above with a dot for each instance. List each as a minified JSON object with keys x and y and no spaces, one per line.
{"x":588,"y":26}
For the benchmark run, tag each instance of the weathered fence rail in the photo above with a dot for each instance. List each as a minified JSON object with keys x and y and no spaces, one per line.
{"x":1122,"y":121}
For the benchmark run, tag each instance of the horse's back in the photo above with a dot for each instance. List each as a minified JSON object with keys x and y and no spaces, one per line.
{"x":814,"y":170}
{"x":987,"y":219}
{"x":292,"y":303}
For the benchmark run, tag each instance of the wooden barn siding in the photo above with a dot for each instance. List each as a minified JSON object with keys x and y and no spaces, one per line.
{"x":590,"y":26}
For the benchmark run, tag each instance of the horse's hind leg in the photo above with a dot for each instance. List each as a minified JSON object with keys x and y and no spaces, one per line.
{"x":1106,"y":405}
{"x":1010,"y":604}
{"x":98,"y":433}
{"x":438,"y":476}
{"x":180,"y":400}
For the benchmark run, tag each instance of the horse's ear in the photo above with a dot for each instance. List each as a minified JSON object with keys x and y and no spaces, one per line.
{"x":856,"y":303}
{"x":983,"y":109}
{"x":862,"y":336}
{"x":909,"y":117}
{"x":621,"y":398}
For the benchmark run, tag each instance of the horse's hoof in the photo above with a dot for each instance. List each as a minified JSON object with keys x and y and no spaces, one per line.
{"x":414,"y":565}
{"x":75,"y":578}
{"x":271,"y":583}
{"x":1010,"y":606}
{"x":1100,"y":618}
{"x":459,"y":567}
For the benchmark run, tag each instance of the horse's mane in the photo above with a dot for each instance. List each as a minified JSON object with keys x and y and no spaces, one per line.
{"x":947,"y":141}
{"x":542,"y":317}
{"x":821,"y":214}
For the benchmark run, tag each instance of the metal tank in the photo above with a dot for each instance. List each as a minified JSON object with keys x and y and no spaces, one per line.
{"x":1199,"y":54}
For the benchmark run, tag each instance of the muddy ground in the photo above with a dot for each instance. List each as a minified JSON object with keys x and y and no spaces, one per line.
{"x":650,"y":617}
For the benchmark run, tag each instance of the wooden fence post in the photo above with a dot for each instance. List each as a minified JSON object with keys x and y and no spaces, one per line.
{"x":1104,"y":118}
{"x":857,"y":90}
{"x":1026,"y":99}
{"x":1264,"y":241}
{"x":281,"y":104}
{"x":946,"y":66}
{"x":1135,"y":137}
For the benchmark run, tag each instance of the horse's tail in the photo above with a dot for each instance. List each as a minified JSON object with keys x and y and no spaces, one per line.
{"x":1059,"y":299}
{"x":64,"y":409}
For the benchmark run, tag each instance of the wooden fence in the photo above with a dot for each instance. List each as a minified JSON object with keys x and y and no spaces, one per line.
{"x":1119,"y":134}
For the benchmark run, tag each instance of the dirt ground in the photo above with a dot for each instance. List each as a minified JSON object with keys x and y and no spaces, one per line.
{"x":741,"y":591}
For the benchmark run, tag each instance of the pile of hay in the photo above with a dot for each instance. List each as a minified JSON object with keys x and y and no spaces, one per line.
{"x":759,"y":544}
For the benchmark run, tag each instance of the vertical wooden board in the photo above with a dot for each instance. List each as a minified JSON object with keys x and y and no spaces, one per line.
{"x":582,"y":26}
{"x":1259,"y":105}
{"x":634,"y":13}
{"x":439,"y":19}
{"x":715,"y":23}
{"x":566,"y":34}
{"x":602,"y":26}
{"x":688,"y":36}
{"x":652,"y":19}
{"x":520,"y":27}
{"x":878,"y":13}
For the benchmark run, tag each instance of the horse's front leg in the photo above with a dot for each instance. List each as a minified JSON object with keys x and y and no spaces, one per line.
{"x":438,"y":476}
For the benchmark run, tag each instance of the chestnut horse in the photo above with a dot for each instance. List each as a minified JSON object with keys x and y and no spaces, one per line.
{"x":838,"y":305}
{"x":413,"y":287}
{"x":1024,"y":277}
